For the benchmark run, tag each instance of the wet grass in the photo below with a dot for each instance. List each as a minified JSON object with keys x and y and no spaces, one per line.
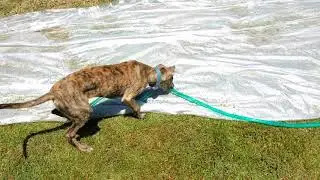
{"x":162,"y":146}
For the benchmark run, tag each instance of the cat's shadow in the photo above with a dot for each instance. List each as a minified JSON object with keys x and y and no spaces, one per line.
{"x":104,"y":110}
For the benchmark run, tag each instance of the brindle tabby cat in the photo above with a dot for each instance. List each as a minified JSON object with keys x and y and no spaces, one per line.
{"x":70,"y":95}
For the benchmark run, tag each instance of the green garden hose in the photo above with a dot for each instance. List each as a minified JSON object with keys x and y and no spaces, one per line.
{"x":190,"y":99}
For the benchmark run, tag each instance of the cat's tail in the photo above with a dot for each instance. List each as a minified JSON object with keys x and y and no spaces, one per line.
{"x":46,"y":97}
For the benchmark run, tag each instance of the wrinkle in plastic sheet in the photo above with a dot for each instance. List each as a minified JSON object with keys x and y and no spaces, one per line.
{"x":255,"y":58}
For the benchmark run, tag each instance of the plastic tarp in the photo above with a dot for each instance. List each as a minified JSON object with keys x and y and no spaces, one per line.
{"x":255,"y":58}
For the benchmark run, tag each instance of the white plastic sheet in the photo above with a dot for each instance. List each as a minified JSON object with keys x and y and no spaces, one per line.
{"x":255,"y":58}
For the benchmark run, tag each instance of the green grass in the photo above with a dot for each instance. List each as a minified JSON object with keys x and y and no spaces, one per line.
{"x":162,"y":146}
{"x":10,"y":7}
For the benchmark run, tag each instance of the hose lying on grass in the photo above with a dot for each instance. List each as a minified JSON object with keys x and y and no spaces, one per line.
{"x":147,"y":94}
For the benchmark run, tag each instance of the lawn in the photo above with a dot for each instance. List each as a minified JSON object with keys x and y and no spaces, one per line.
{"x":159,"y":147}
{"x":10,"y":7}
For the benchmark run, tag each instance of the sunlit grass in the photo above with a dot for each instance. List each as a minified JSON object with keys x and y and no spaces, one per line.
{"x":10,"y":7}
{"x":162,"y":146}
